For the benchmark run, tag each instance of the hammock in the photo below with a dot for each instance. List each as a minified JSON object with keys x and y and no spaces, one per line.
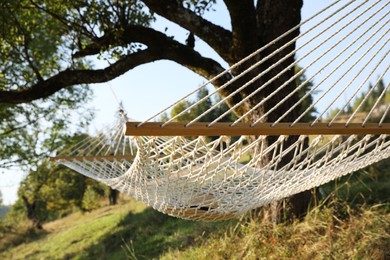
{"x":175,"y":168}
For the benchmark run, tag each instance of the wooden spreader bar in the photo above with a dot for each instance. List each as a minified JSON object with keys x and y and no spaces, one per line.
{"x":217,"y":129}
{"x":92,"y":158}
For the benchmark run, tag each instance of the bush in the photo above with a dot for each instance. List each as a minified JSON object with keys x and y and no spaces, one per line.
{"x":92,"y":198}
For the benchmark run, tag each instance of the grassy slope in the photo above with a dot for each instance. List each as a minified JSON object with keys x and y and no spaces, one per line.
{"x":131,"y":230}
{"x":75,"y":235}
{"x":110,"y":233}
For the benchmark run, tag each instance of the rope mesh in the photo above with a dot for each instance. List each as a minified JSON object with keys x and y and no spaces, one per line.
{"x":341,"y":49}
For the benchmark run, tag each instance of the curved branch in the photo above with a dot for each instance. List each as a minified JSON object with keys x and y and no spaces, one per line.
{"x":129,"y":34}
{"x":193,"y":60}
{"x":168,"y":48}
{"x":217,"y":37}
{"x":74,"y":77}
{"x":161,"y":47}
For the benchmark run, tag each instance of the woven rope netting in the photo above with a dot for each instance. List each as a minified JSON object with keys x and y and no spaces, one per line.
{"x":341,"y":50}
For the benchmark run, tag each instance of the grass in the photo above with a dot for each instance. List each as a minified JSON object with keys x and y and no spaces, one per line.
{"x":73,"y":236}
{"x":110,"y":232}
{"x":352,"y":223}
{"x":361,"y":235}
{"x":132,"y":231}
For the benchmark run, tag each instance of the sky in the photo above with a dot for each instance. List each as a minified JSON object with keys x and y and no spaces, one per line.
{"x":149,"y":88}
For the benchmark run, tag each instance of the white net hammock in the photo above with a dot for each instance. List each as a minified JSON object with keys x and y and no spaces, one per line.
{"x":254,"y":161}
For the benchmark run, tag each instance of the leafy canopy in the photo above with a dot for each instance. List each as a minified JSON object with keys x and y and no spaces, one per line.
{"x":39,"y":39}
{"x":33,"y":46}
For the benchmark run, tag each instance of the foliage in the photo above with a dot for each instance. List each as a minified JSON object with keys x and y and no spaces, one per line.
{"x":91,"y":198}
{"x":362,"y":234}
{"x":33,"y":46}
{"x":200,"y":105}
{"x":179,"y":108}
{"x":366,"y":100}
{"x":30,"y":131}
{"x":17,"y":213}
{"x":40,"y":37}
{"x":368,"y":186}
{"x":53,"y":191}
{"x":370,"y":99}
{"x":199,"y":6}
{"x":204,"y":102}
{"x":57,"y":191}
{"x":304,"y":91}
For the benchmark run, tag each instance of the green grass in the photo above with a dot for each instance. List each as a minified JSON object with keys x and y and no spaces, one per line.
{"x":110,"y":233}
{"x":74,"y":236}
{"x":131,"y":231}
{"x":360,"y":235}
{"x":368,"y":186}
{"x":352,"y":223}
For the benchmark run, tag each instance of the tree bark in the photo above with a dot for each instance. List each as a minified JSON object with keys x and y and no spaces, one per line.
{"x":31,"y":212}
{"x":113,"y":197}
{"x":273,"y":18}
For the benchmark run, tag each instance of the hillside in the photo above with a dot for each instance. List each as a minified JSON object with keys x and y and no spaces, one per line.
{"x":132,"y":231}
{"x":106,"y":232}
{"x":351,"y":221}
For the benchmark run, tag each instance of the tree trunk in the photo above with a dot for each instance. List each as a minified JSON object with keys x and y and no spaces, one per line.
{"x":273,"y":19}
{"x":113,"y":197}
{"x":31,"y":212}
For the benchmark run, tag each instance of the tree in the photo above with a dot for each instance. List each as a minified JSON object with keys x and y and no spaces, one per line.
{"x":122,"y":32}
{"x":51,"y":191}
{"x":200,"y":107}
{"x":29,"y":55}
{"x":371,"y":96}
{"x":308,"y":101}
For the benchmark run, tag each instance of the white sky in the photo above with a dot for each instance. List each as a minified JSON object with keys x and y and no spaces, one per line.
{"x":149,"y":88}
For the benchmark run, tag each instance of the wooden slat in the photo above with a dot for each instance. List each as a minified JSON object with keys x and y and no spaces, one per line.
{"x":201,"y":128}
{"x":92,"y":158}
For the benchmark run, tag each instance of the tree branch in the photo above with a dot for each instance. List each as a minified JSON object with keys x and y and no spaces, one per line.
{"x":74,"y":77}
{"x":160,"y":47}
{"x":217,"y":37}
{"x":129,"y":34}
{"x":193,"y":60}
{"x":167,"y":47}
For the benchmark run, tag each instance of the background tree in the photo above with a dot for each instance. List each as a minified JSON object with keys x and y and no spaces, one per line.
{"x":45,"y":45}
{"x":370,"y":97}
{"x":376,"y":92}
{"x":201,"y":108}
{"x":51,"y":192}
